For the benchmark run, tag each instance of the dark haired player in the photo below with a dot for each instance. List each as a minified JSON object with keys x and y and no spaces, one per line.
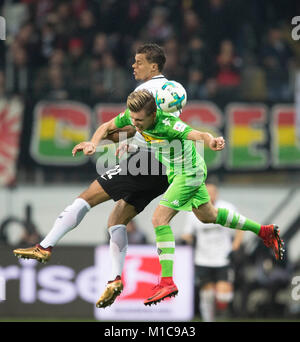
{"x":131,"y":193}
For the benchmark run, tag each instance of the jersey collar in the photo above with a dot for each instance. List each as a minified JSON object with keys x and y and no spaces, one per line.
{"x":157,"y":77}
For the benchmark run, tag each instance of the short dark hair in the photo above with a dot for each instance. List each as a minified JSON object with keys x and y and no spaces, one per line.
{"x":154,"y":54}
{"x":141,"y":100}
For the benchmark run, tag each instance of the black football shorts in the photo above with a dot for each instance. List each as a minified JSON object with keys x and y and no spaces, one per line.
{"x":206,"y":274}
{"x":138,"y":189}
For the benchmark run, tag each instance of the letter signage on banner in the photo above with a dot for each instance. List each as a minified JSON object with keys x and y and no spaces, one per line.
{"x":257,"y":137}
{"x":297,"y":102}
{"x":58,"y":127}
{"x":74,"y":280}
{"x":285,"y":141}
{"x":64,"y":287}
{"x":11,"y":114}
{"x":105,"y":158}
{"x":246,"y":135}
{"x":205,"y":116}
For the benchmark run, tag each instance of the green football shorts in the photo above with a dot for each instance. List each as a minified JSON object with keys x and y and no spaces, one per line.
{"x":183,"y":194}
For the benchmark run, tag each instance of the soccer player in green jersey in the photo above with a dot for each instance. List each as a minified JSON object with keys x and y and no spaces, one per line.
{"x":173,"y":141}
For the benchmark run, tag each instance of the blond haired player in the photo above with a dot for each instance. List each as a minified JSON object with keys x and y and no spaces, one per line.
{"x":186,"y":171}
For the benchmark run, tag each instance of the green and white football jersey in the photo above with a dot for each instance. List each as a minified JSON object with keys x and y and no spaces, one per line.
{"x":168,"y":137}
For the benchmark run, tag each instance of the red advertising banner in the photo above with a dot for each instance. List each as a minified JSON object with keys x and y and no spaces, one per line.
{"x":141,"y":273}
{"x":11,"y":115}
{"x":106,"y":112}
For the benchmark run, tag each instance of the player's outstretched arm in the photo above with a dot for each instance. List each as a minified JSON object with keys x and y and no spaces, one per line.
{"x":121,"y":134}
{"x":215,"y":144}
{"x":89,"y":147}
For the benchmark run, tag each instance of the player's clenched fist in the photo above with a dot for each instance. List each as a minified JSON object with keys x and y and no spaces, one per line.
{"x":87,"y":147}
{"x":217,"y":144}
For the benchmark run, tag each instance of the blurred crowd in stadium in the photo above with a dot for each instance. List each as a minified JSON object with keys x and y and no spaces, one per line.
{"x":83,"y":50}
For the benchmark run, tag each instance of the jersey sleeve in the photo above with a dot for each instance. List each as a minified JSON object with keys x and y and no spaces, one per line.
{"x":123,"y":119}
{"x":179,"y":129}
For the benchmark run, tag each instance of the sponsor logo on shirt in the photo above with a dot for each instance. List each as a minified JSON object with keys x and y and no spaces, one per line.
{"x":151,"y":139}
{"x":179,"y":126}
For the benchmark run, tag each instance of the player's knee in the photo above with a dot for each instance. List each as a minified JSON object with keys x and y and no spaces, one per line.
{"x":118,"y":218}
{"x":157,"y":221}
{"x":206,"y":213}
{"x":210,"y":217}
{"x":122,"y":213}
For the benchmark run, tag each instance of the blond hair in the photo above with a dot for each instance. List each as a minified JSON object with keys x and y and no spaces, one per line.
{"x":141,"y":100}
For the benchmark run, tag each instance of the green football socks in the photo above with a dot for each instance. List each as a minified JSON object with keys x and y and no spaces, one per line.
{"x":231,"y":219}
{"x":165,"y":243}
{"x":165,"y":240}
